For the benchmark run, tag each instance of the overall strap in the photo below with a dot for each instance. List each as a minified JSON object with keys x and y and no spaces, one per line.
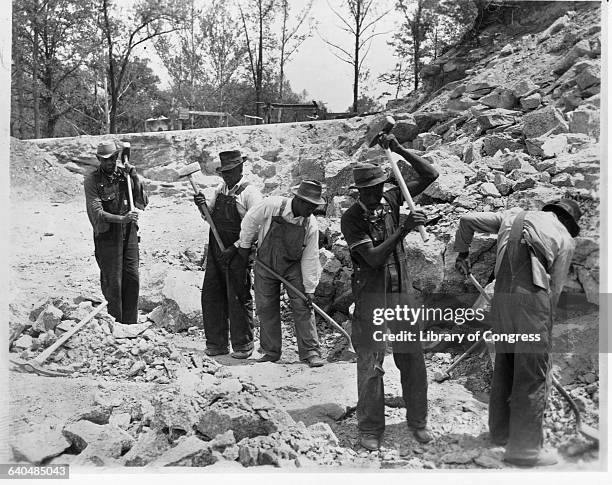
{"x":241,"y":188}
{"x":516,"y":233}
{"x":282,"y":207}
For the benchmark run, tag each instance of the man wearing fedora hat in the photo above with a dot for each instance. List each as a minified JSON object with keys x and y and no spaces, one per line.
{"x":227,"y":304}
{"x":534,"y":252}
{"x":288,"y":243}
{"x":116,"y":230}
{"x":374,"y":232}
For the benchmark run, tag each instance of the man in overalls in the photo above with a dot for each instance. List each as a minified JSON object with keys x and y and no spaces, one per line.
{"x":374,"y":233}
{"x":116,"y":231}
{"x":227,"y":304}
{"x":288,"y":238}
{"x":534,"y":252}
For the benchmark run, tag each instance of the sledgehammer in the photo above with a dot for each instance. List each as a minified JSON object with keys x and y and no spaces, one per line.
{"x":384,"y":126}
{"x":188,"y":171}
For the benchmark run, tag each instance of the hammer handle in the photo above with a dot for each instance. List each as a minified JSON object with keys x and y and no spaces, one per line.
{"x":405,"y":191}
{"x":129,"y":187}
{"x":206,"y":213}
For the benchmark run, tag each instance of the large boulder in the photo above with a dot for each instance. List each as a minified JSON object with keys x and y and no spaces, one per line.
{"x":181,"y":305}
{"x":497,"y":117}
{"x":499,"y":98}
{"x":38,"y":445}
{"x":544,"y":121}
{"x":584,"y":120}
{"x":453,"y":173}
{"x":107,"y":439}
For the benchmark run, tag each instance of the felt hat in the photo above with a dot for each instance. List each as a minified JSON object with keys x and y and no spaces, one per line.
{"x":106,"y":149}
{"x":230,"y":159}
{"x":566,"y":207}
{"x":367,"y":175}
{"x":310,"y":191}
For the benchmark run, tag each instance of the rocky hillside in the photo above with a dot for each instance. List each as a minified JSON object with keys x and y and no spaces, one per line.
{"x":518,"y":127}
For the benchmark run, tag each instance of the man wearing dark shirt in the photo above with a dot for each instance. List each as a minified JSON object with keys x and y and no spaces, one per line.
{"x":374,"y":232}
{"x":115,"y":231}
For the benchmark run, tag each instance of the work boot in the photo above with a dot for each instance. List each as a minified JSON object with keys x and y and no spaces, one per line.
{"x":315,"y":361}
{"x":422,"y":435}
{"x":545,"y":458}
{"x":369,"y":442}
{"x":213,"y":352}
{"x":241,"y":354}
{"x":268,"y":358}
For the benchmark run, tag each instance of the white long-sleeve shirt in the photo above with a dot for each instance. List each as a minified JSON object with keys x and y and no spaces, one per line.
{"x":256,"y":224}
{"x":542,"y":231}
{"x":245,"y":200}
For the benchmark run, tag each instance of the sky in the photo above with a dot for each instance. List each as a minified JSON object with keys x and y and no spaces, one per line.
{"x":326,"y":78}
{"x":314,"y":67}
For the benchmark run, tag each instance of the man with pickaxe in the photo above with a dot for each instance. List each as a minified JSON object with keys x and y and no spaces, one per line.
{"x":287,"y":235}
{"x":227,"y":304}
{"x":112,"y":192}
{"x":534,"y":252}
{"x":374,"y":232}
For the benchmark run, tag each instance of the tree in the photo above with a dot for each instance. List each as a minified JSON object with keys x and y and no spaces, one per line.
{"x":125,"y":29}
{"x":260,"y":16}
{"x":399,"y":77}
{"x":226,"y":50}
{"x":366,"y":104}
{"x":51,"y":41}
{"x":292,"y":37}
{"x":362,"y":27}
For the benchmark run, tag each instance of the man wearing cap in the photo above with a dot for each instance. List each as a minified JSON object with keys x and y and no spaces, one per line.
{"x":227,"y":304}
{"x":288,"y":243}
{"x":116,"y":230}
{"x":534,"y":251}
{"x":374,"y":232}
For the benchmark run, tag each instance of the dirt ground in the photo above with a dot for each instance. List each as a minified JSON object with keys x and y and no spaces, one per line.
{"x":52,"y":254}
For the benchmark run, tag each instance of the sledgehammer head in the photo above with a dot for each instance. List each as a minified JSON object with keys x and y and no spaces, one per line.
{"x":380,"y":125}
{"x":441,"y":376}
{"x":188,"y":170}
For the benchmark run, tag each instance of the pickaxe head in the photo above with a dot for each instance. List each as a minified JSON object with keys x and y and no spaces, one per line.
{"x":384,"y":124}
{"x":188,"y":170}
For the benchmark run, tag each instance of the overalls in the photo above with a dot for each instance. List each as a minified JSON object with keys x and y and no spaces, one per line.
{"x":116,"y":252}
{"x":385,"y":287}
{"x":521,"y":378}
{"x":226,"y":291}
{"x":281,"y":249}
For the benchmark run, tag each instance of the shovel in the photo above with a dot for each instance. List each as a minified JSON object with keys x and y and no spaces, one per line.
{"x":585,"y":430}
{"x":316,"y":308}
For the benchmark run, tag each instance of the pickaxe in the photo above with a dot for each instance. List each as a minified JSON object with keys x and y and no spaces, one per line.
{"x":35,"y":365}
{"x":383,"y":126}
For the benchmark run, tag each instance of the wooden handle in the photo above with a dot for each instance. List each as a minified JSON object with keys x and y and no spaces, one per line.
{"x":479,"y":288}
{"x":47,"y":353}
{"x":206,"y":213}
{"x":405,"y":191}
{"x":129,"y":187}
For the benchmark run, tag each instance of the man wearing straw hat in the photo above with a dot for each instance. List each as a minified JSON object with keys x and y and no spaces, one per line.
{"x":288,"y":243}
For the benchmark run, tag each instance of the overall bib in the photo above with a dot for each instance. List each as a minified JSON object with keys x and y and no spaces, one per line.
{"x":116,"y":252}
{"x":385,"y":287}
{"x":282,"y":250}
{"x":226,"y":291}
{"x":521,"y":379}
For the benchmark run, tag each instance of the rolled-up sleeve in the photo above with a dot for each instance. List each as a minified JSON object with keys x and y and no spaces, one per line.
{"x":311,"y":267}
{"x":487,"y":222}
{"x":141,"y":199}
{"x":560,"y":268}
{"x":251,"y":223}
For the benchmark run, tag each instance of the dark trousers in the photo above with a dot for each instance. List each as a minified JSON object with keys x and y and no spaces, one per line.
{"x":216,"y":289}
{"x":116,"y":252}
{"x":521,"y":384}
{"x":371,"y":392}
{"x":267,"y":301}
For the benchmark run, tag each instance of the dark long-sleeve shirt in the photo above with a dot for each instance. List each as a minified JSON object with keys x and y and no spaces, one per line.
{"x":106,"y":198}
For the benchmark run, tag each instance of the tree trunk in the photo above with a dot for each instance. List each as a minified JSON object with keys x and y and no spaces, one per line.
{"x":259,"y":77}
{"x":282,"y":55}
{"x":356,"y":59}
{"x":35,"y":92}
